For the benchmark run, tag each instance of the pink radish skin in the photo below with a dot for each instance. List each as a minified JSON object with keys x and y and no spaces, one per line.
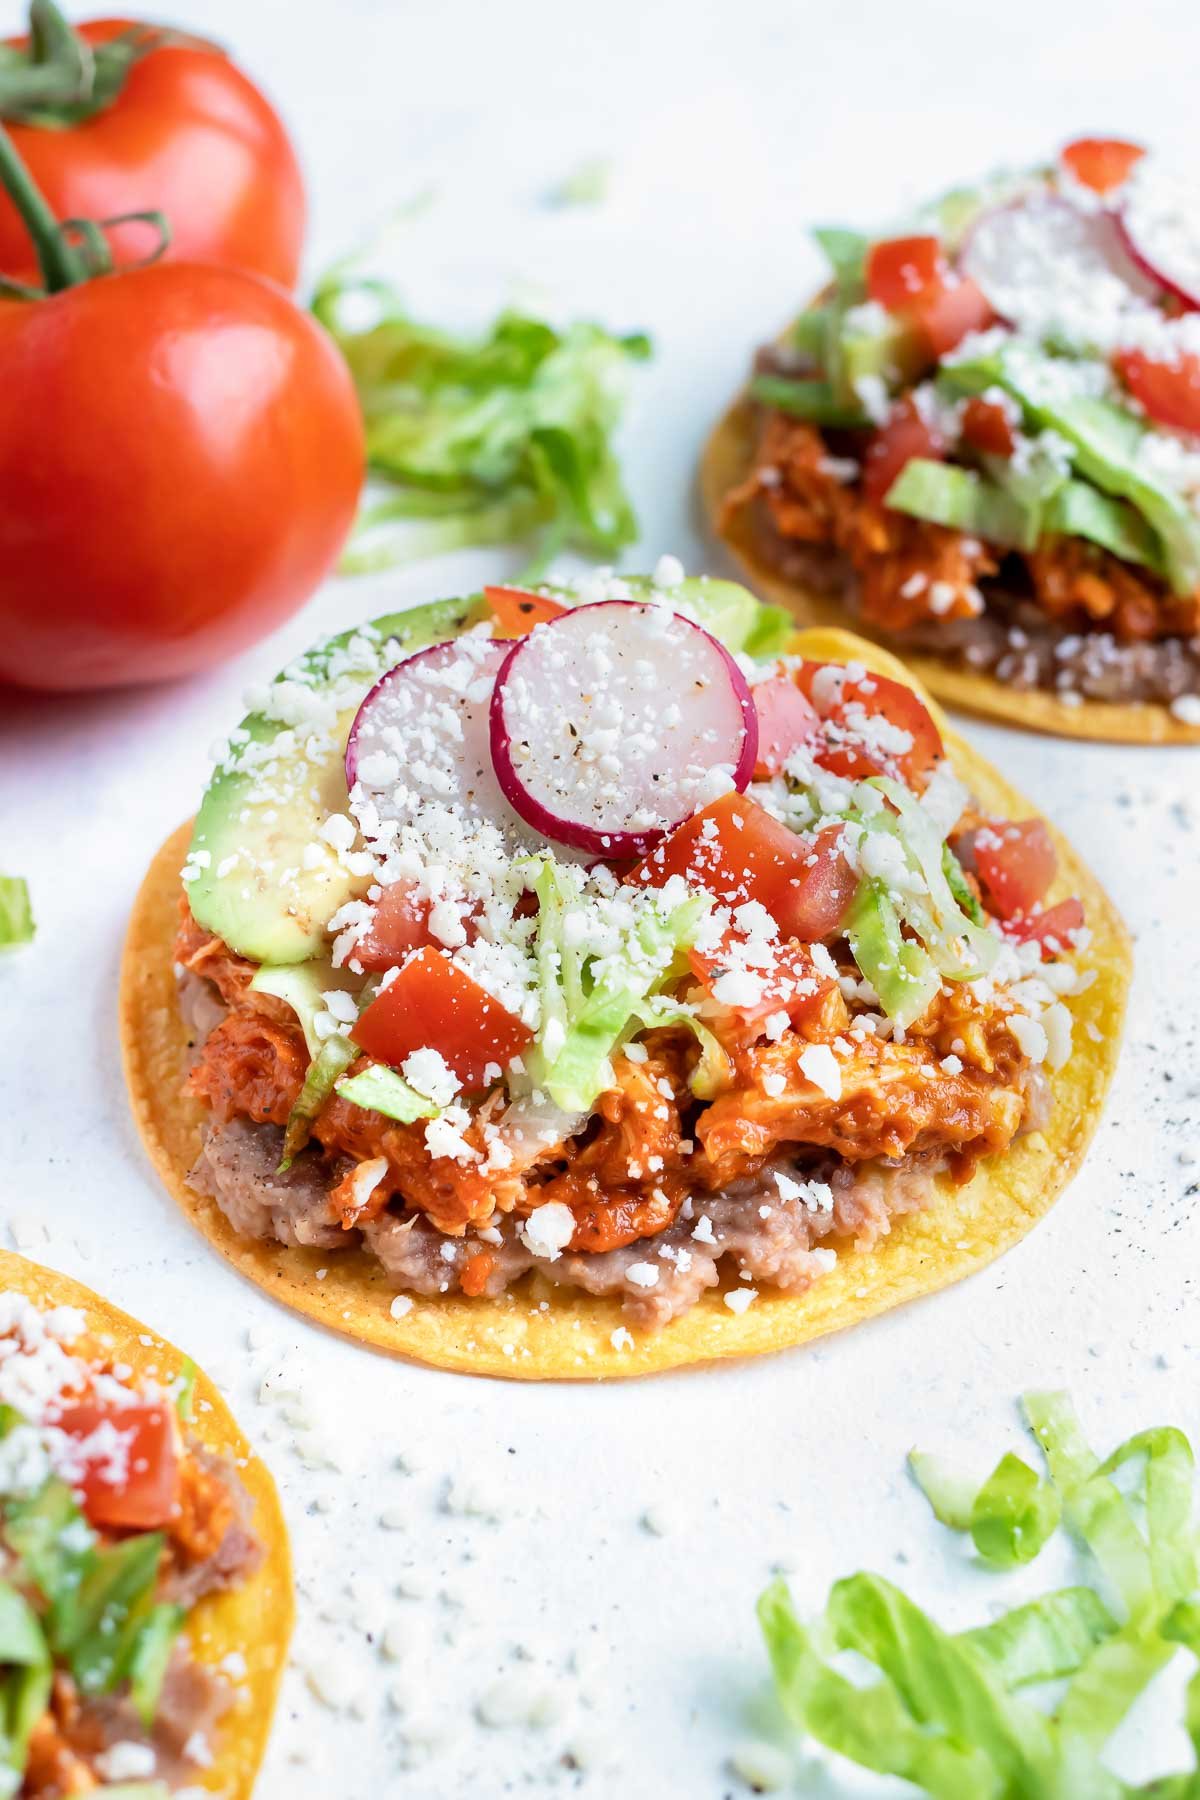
{"x":609,"y":726}
{"x":408,"y":699}
{"x":1013,"y":251}
{"x":1136,"y":235}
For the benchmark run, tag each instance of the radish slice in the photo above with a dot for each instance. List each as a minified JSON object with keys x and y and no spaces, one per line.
{"x":1048,"y":268}
{"x":1161,"y":232}
{"x":615,"y":722}
{"x":421,"y":735}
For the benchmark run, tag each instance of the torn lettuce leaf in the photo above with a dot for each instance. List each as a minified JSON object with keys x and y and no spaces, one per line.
{"x":502,"y":438}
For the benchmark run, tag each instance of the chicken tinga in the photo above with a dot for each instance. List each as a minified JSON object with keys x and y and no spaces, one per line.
{"x":579,"y":980}
{"x":146,"y":1585}
{"x":981,"y":442}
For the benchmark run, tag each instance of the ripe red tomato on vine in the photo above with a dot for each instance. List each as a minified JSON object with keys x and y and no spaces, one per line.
{"x":113,"y":117}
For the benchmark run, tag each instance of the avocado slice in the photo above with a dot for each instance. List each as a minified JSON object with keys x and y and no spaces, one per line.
{"x":246,"y":875}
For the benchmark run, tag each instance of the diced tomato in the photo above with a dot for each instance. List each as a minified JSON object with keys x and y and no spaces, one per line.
{"x":399,"y":924}
{"x":517,"y":610}
{"x":139,"y":1442}
{"x":792,"y":983}
{"x":906,"y":435}
{"x":732,"y":849}
{"x":911,"y":278}
{"x":987,"y":427}
{"x":850,"y":751}
{"x":816,"y":899}
{"x":1016,"y":861}
{"x":786,"y":721}
{"x":1101,"y":164}
{"x":949,"y":316}
{"x":432,"y":1004}
{"x":902,"y":271}
{"x":1169,"y":391}
{"x":1053,"y":928}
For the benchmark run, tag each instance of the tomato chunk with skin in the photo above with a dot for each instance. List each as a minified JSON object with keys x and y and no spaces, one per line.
{"x":1053,"y":929}
{"x":137,"y":1445}
{"x":901,"y":271}
{"x":949,"y":316}
{"x":857,"y":749}
{"x":1169,"y":391}
{"x":517,"y":610}
{"x":399,"y":924}
{"x":433,"y":1005}
{"x":816,"y":899}
{"x":791,"y":982}
{"x":787,"y":720}
{"x":911,"y":278}
{"x":1101,"y":164}
{"x":732,"y":848}
{"x":987,"y":427}
{"x":906,"y":435}
{"x":1016,"y":862}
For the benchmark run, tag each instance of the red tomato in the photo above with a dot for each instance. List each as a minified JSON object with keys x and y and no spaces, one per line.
{"x":1016,"y":862}
{"x":910,"y":277}
{"x":516,"y":611}
{"x":188,"y":135}
{"x":1101,"y":163}
{"x":146,"y":1496}
{"x":786,"y":720}
{"x":1053,"y":928}
{"x":986,"y":427}
{"x":905,"y":436}
{"x":1169,"y":391}
{"x":181,"y":452}
{"x":848,"y":750}
{"x":732,"y":849}
{"x":815,"y":901}
{"x":431,"y":1004}
{"x":794,"y":984}
{"x":902,"y":271}
{"x":399,"y":923}
{"x":949,"y":316}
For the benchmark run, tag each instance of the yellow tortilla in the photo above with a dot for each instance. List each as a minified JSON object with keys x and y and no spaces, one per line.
{"x":255,"y":1618}
{"x":572,"y":1337}
{"x":728,"y":458}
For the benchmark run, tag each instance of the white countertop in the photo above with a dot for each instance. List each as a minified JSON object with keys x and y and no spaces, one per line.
{"x":728,"y":130}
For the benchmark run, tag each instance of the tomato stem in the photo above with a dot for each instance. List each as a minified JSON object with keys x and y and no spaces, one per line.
{"x":61,"y":265}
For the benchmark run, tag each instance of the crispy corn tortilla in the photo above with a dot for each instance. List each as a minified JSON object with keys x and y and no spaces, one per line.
{"x":727,"y":460}
{"x":254,"y":1619}
{"x":572,"y":1337}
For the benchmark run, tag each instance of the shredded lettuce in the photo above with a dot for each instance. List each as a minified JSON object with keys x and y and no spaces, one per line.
{"x":381,"y":1090}
{"x":1010,"y":1517}
{"x":714,"y":1071}
{"x":185,"y":1390}
{"x":846,"y":252}
{"x":504,"y":438}
{"x":101,"y":1619}
{"x":24,"y":1684}
{"x":589,"y":997}
{"x":1105,"y":440}
{"x":335,"y":1056}
{"x":303,"y":987}
{"x":817,"y":400}
{"x":948,"y":1712}
{"x":964,"y":500}
{"x":16,"y":914}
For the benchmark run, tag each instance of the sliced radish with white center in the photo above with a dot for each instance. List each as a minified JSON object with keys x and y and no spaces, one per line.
{"x":1049,"y":269}
{"x":615,"y":722}
{"x":1161,"y":229}
{"x":421,"y":735}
